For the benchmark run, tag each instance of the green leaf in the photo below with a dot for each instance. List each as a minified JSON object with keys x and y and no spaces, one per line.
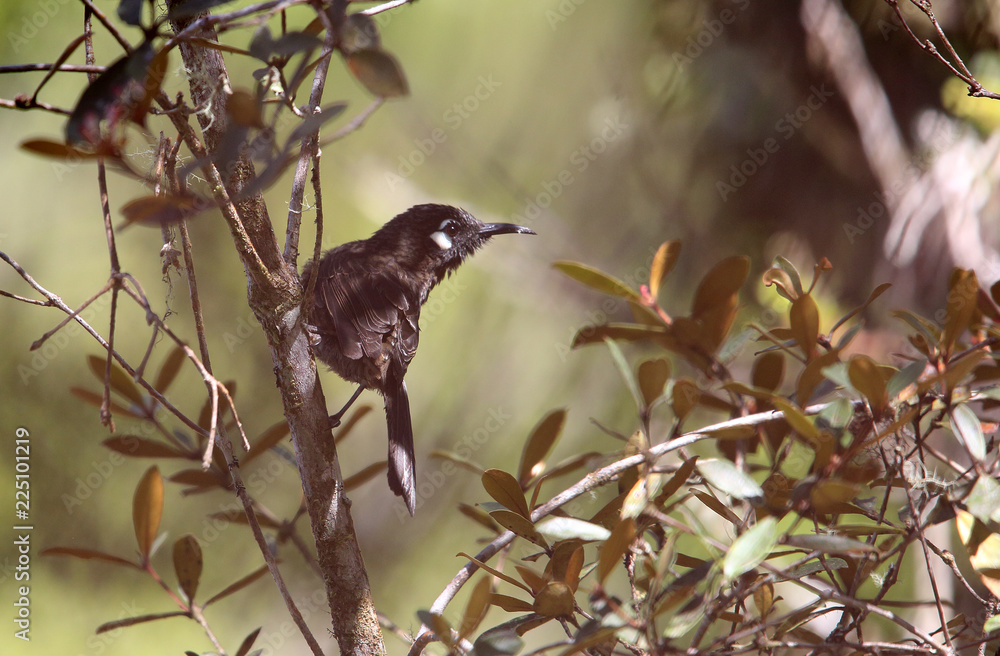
{"x":751,"y":548}
{"x":984,"y":499}
{"x":565,"y":528}
{"x":905,"y":377}
{"x":725,"y":477}
{"x":626,"y":372}
{"x":828,"y":543}
{"x":969,"y":431}
{"x":596,"y":279}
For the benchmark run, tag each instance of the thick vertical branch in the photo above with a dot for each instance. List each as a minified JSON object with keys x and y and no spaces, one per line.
{"x":275,"y":297}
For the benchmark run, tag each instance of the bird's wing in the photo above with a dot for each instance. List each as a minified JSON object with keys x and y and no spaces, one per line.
{"x":365,"y":308}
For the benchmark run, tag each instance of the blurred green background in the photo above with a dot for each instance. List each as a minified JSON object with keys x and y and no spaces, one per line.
{"x":607,"y":127}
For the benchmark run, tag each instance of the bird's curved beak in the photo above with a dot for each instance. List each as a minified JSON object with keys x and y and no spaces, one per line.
{"x":490,"y":229}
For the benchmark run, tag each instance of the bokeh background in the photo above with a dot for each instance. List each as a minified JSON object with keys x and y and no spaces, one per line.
{"x":804,"y":129}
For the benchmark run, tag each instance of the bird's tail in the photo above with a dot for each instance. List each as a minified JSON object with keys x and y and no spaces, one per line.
{"x":402,"y":465}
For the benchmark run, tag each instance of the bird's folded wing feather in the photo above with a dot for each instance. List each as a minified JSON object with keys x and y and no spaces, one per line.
{"x":365,"y":309}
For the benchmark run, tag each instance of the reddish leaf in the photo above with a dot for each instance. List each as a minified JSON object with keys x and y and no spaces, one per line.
{"x":157,"y":211}
{"x":652,"y":377}
{"x":131,"y":621}
{"x":475,"y":611}
{"x":248,"y":643}
{"x":365,"y":475}
{"x":615,"y":547}
{"x":510,"y":604}
{"x":720,"y":285}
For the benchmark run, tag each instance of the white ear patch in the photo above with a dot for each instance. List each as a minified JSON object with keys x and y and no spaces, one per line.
{"x":442,"y":240}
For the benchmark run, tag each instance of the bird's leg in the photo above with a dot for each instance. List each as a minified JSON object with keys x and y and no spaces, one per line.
{"x":335,"y":419}
{"x":313,"y":335}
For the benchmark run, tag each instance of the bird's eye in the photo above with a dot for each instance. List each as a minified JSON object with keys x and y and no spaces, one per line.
{"x":450,"y":228}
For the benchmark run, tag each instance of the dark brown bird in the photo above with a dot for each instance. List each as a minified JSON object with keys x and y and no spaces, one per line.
{"x":366,"y":308}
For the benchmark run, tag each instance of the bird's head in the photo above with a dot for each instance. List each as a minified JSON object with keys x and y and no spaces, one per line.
{"x":439,"y":237}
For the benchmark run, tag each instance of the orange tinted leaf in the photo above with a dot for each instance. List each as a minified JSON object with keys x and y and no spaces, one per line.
{"x":147,"y":509}
{"x":827,"y":495}
{"x":663,"y":263}
{"x":615,"y":547}
{"x":379,"y":72}
{"x":539,"y":444}
{"x":505,"y":489}
{"x":684,"y":397}
{"x":188,"y":564}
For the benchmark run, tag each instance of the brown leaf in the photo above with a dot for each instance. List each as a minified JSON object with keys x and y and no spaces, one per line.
{"x":615,"y":547}
{"x":120,"y":381}
{"x":131,"y":621}
{"x":479,"y":603}
{"x":804,"y":318}
{"x":505,"y":489}
{"x":596,"y":279}
{"x":147,"y":509}
{"x":379,"y":72}
{"x":168,"y":371}
{"x":555,"y":600}
{"x":138,"y":447}
{"x":962,"y":295}
{"x":720,"y":285}
{"x":510,"y":604}
{"x":543,"y":437}
{"x":653,"y":376}
{"x":768,"y":371}
{"x":239,"y":585}
{"x":248,"y":643}
{"x":188,"y":564}
{"x":88,"y":554}
{"x":97,"y":400}
{"x":518,"y":525}
{"x":365,"y":475}
{"x":267,"y":440}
